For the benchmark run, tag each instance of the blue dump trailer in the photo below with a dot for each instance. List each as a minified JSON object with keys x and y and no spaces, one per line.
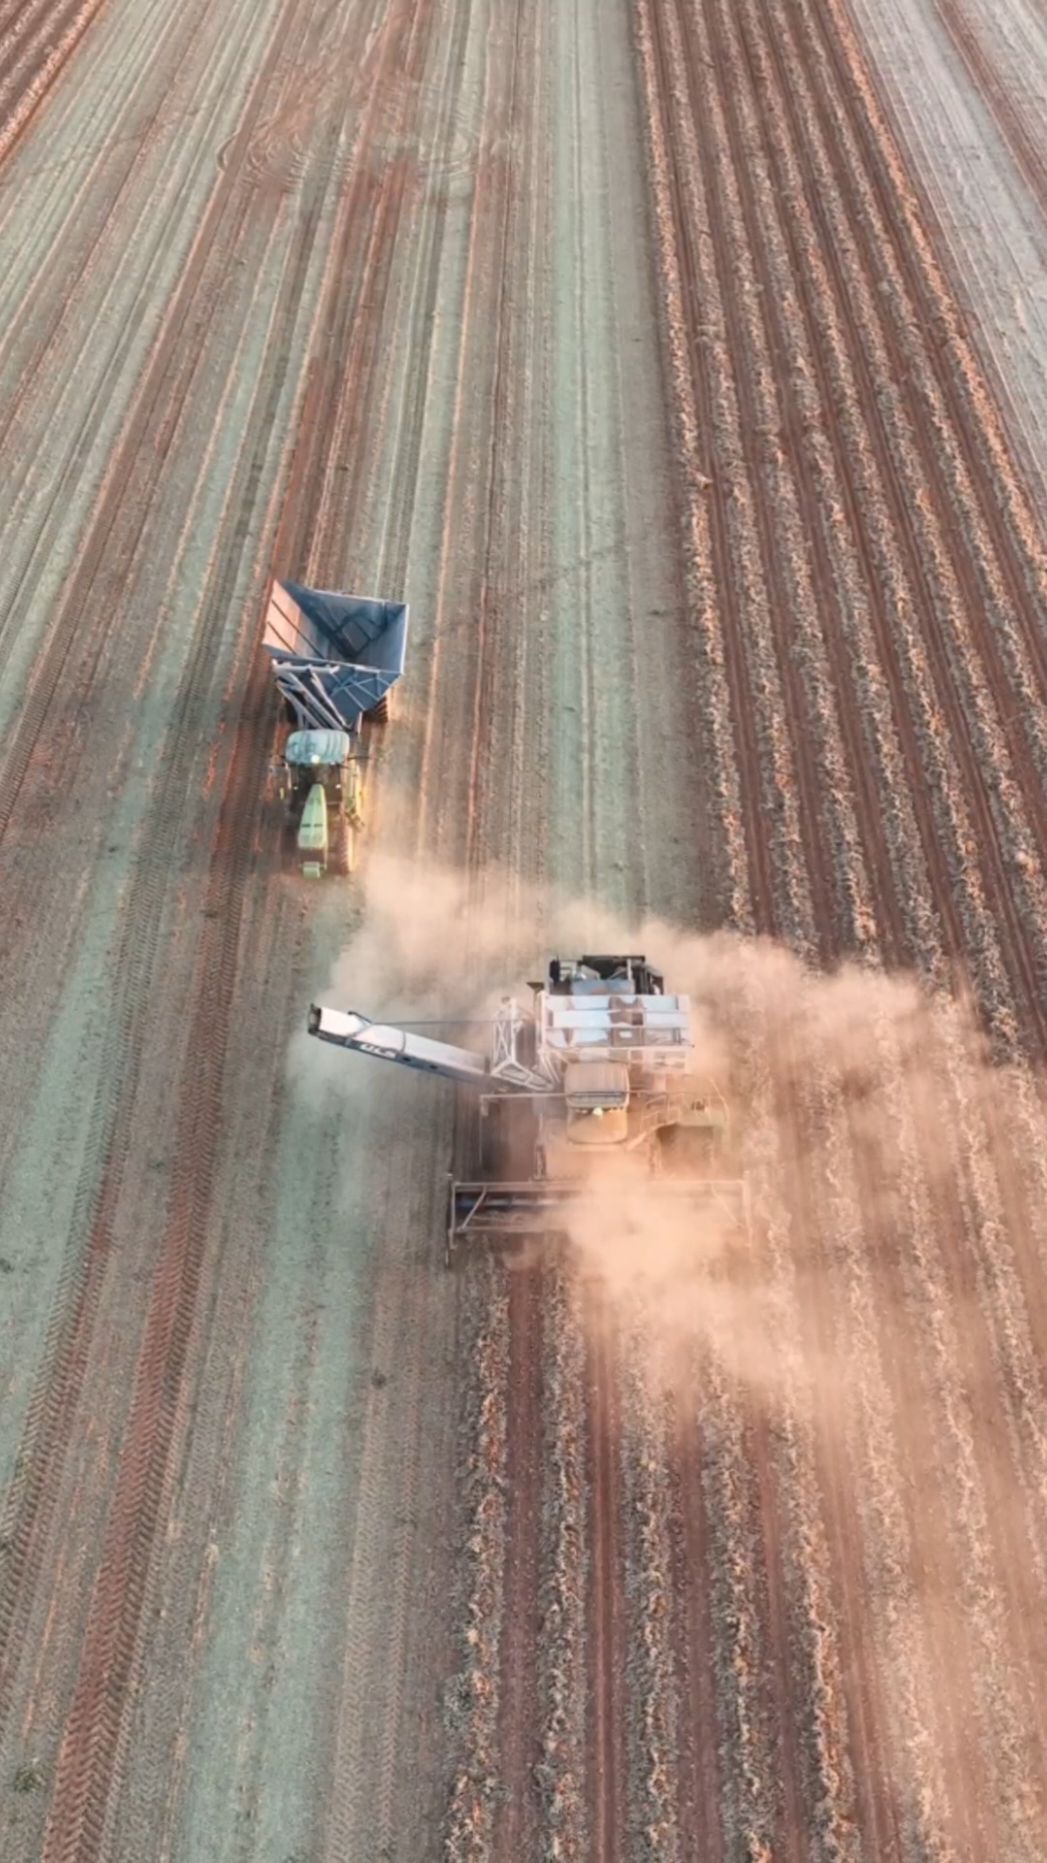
{"x":335,"y":659}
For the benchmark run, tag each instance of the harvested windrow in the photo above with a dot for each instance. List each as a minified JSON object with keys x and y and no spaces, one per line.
{"x":561,"y":1654}
{"x":473,"y":1700}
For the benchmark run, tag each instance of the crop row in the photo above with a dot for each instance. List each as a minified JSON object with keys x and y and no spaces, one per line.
{"x":823,"y":478}
{"x":862,"y":1459}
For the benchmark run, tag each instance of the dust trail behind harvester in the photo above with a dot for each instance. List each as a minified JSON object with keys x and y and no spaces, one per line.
{"x":879,"y":1326}
{"x":843,"y":1092}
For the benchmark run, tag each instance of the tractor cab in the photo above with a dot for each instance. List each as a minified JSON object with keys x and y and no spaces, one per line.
{"x":319,"y":789}
{"x":316,"y":757}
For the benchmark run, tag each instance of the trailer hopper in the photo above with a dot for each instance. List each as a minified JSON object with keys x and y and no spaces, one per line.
{"x":335,"y":657}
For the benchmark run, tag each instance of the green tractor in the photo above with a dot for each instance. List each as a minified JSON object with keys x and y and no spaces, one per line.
{"x":320,"y":787}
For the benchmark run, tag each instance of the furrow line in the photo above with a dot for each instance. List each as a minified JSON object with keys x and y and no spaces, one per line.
{"x":565,"y":1829}
{"x":993,"y":494}
{"x":44,"y":41}
{"x":57,"y":1393}
{"x":863,"y":477}
{"x":840,"y":894}
{"x":653,"y":1732}
{"x":93,"y":1725}
{"x":746,"y":880}
{"x":167,"y":376}
{"x":475,"y":1703}
{"x":607,"y":1649}
{"x":922,"y":507}
{"x":701,"y":1789}
{"x":515,"y":1821}
{"x":91,"y":1737}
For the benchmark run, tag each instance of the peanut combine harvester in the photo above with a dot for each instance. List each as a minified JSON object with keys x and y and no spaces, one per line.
{"x":595,"y":1085}
{"x":335,"y":659}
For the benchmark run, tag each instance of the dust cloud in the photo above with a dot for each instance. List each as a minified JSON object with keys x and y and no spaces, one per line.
{"x":885,"y":1159}
{"x":876,"y":1314}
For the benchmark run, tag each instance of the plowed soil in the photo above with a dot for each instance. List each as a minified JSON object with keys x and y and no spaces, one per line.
{"x":669,"y":357}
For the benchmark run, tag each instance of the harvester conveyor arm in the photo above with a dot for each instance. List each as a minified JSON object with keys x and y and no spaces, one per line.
{"x":350,"y":1030}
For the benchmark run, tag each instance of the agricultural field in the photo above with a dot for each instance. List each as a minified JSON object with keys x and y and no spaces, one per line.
{"x":684,"y":364}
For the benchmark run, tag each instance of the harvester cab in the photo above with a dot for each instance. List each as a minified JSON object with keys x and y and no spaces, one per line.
{"x":335,"y":659}
{"x":598,"y":1083}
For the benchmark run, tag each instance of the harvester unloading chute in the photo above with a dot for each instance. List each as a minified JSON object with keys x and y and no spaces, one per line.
{"x":596,"y":1087}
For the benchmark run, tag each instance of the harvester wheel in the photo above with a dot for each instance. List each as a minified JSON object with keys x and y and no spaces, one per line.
{"x":493,"y":1164}
{"x":379,"y":714}
{"x":684,"y":1151}
{"x":342,"y":848}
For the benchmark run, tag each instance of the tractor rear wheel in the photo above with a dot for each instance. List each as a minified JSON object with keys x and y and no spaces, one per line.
{"x":288,"y":847}
{"x":341,"y":848}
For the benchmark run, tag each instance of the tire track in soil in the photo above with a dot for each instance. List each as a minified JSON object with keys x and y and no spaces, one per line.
{"x":762,"y":891}
{"x":165,"y":383}
{"x":92,"y":1729}
{"x":1022,"y":1593}
{"x":870,"y":829}
{"x":36,"y":44}
{"x":861,"y":1688}
{"x":1035,"y":168}
{"x":608,"y":1642}
{"x":1029,"y":158}
{"x":403,"y":1297}
{"x":109,"y":1645}
{"x":58,"y":1391}
{"x":508,"y":206}
{"x":701,"y":1832}
{"x":841,"y":97}
{"x":515,"y":1825}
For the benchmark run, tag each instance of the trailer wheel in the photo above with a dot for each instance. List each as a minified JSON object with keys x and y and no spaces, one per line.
{"x":379,"y":714}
